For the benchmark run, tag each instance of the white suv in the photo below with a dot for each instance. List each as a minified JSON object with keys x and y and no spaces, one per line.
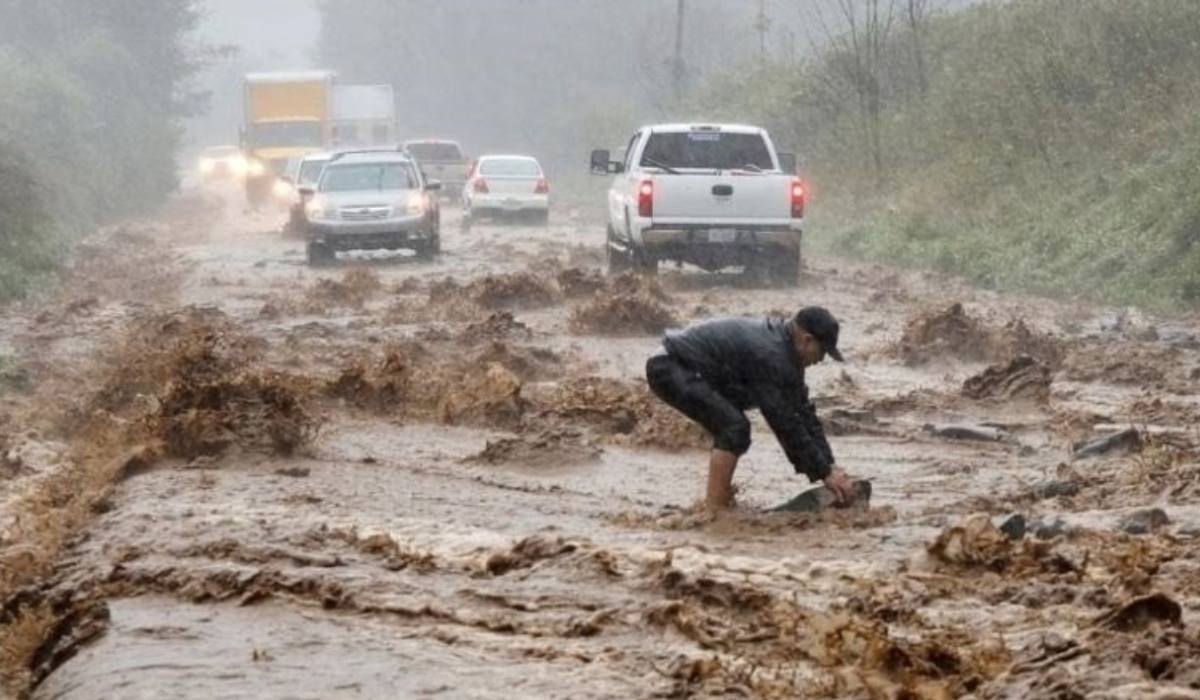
{"x":372,"y":200}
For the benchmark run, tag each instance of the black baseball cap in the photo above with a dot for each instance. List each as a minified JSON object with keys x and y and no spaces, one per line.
{"x":821,"y":325}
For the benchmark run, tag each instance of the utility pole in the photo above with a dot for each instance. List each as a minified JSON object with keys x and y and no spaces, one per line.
{"x":763,"y":25}
{"x":678,"y":70}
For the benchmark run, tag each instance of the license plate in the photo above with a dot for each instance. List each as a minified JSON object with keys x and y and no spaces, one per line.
{"x":722,"y":235}
{"x":512,"y":203}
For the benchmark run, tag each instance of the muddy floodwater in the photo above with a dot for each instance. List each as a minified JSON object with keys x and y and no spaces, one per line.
{"x":397,"y":478}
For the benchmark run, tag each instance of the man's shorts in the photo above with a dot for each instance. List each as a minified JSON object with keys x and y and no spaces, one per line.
{"x":692,"y":395}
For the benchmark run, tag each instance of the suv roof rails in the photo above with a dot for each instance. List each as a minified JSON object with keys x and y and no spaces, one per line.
{"x":340,"y":154}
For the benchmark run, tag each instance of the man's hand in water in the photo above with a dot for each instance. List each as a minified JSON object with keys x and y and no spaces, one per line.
{"x":842,"y":486}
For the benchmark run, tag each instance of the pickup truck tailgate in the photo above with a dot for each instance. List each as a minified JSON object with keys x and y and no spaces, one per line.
{"x":732,"y":198}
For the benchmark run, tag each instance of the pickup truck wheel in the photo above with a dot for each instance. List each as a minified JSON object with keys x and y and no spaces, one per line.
{"x":618,"y":258}
{"x":319,"y":255}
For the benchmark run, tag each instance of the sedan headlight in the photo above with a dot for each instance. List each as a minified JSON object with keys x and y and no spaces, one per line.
{"x":256,"y":168}
{"x":283,"y":189}
{"x":238,"y":165}
{"x":416,"y":204}
{"x":206,"y":165}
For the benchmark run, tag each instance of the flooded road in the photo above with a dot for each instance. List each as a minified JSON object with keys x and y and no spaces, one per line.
{"x":393,"y":478}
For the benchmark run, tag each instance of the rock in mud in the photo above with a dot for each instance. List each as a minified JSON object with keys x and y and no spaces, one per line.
{"x":1128,"y":440}
{"x":1013,"y":527}
{"x":1140,"y":613}
{"x":1055,"y":488}
{"x":1144,"y":521}
{"x":820,"y":498}
{"x":1023,"y":377}
{"x":1049,"y":529}
{"x":965,"y":432}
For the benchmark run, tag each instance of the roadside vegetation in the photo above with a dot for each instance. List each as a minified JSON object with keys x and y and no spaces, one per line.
{"x":91,"y":96}
{"x":1047,"y":147}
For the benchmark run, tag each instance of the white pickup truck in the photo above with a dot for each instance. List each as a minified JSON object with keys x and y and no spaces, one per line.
{"x":714,"y":196}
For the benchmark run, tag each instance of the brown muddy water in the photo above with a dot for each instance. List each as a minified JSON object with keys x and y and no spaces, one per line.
{"x":401,"y":479}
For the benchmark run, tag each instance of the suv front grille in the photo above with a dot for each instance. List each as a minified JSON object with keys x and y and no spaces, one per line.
{"x":365,"y":213}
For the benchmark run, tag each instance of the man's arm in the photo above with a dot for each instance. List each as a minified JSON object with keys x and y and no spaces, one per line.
{"x":807,"y":452}
{"x":808,"y":413}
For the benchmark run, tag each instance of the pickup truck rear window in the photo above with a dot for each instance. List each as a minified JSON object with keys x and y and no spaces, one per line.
{"x":707,"y":150}
{"x":435,"y":151}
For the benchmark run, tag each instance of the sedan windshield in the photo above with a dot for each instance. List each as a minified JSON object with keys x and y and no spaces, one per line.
{"x":510,"y":167}
{"x":708,"y":150}
{"x":368,"y":176}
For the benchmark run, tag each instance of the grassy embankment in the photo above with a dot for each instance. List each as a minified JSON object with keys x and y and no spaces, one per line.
{"x":90,"y":93}
{"x":1043,"y":147}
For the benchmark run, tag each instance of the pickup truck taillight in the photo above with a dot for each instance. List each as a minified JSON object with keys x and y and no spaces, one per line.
{"x":646,"y":199}
{"x":798,"y":196}
{"x":480,"y":186}
{"x":543,"y":186}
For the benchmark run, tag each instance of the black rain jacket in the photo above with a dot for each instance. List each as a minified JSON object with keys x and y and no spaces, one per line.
{"x":753,"y":363}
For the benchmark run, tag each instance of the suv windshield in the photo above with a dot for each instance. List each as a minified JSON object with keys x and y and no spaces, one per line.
{"x":512,"y":167}
{"x":435,"y":151}
{"x":368,"y":176}
{"x":708,"y":150}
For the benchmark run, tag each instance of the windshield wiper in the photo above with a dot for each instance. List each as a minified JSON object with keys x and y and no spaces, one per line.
{"x":656,"y":164}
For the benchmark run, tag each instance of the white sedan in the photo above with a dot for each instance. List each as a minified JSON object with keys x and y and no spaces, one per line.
{"x":506,"y":185}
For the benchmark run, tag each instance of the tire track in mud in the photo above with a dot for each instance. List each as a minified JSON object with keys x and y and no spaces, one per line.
{"x":479,"y":490}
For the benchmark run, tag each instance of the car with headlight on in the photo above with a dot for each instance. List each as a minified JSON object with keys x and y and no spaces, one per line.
{"x":301,"y":173}
{"x":372,"y":200}
{"x":506,"y":185}
{"x":222,"y":163}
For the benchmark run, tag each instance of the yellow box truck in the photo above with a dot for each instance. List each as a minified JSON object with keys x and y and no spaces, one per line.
{"x":287,"y":115}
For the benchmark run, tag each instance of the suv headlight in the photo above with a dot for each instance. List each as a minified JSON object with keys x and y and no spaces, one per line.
{"x":415,"y":205}
{"x":255,"y":167}
{"x":318,"y":208}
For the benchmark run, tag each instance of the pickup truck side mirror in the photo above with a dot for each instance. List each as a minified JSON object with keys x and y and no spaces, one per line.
{"x":787,"y":163}
{"x":433,"y":185}
{"x":306,"y":190}
{"x":602,"y":163}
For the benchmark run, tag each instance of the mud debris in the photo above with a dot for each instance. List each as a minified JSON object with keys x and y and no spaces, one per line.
{"x":500,"y":325}
{"x":952,"y":332}
{"x":577,"y":282}
{"x":1023,"y":377}
{"x":622,"y":314}
{"x":356,"y":286}
{"x":1143,"y":521}
{"x":624,"y":412}
{"x":546,"y":449}
{"x":1128,"y":440}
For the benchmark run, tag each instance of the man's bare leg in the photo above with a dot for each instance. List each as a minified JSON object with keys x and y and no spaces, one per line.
{"x":720,"y":479}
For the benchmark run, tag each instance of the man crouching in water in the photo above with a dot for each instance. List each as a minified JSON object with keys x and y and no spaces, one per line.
{"x":714,"y":371}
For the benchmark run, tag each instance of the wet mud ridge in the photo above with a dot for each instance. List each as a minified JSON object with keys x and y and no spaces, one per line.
{"x":399,"y":478}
